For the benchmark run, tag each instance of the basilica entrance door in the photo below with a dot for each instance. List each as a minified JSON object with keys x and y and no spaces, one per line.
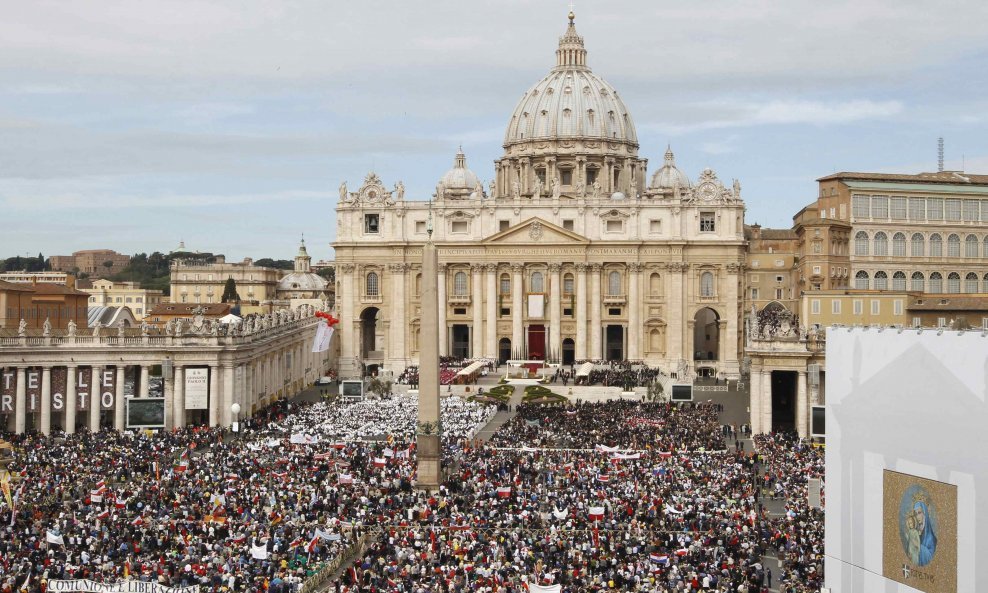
{"x":536,"y":342}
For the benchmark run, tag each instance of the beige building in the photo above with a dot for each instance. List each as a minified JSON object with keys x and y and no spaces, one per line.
{"x":948,"y":311}
{"x":92,"y":262}
{"x":573,"y":252}
{"x":770,"y":270}
{"x":854,"y":307}
{"x":105,"y":293}
{"x":32,"y":277}
{"x":197,"y":281}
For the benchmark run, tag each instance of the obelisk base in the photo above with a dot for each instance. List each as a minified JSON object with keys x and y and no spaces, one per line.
{"x":428,"y":452}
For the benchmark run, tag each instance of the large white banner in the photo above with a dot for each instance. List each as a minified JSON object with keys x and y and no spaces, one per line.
{"x":536,"y":306}
{"x":324,"y":333}
{"x":120,"y":587}
{"x":196,"y":389}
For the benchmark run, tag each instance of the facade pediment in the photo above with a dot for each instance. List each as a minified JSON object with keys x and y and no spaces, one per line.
{"x":536,"y":230}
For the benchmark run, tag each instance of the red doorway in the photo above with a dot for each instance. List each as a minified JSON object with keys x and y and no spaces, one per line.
{"x":536,"y":342}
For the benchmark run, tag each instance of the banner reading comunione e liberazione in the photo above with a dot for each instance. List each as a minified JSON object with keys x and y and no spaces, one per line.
{"x":84,"y":585}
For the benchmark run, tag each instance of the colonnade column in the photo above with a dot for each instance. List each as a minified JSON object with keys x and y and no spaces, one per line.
{"x":676,"y":298}
{"x":20,"y":401}
{"x":755,"y":400}
{"x":734,"y":270}
{"x":145,"y":380}
{"x":118,"y":400}
{"x":517,"y":312}
{"x":555,"y":291}
{"x":94,"y":399}
{"x":801,"y":407}
{"x":634,"y":314}
{"x":766,"y":419}
{"x":46,"y":400}
{"x":214,"y":395}
{"x":441,"y":318}
{"x":178,"y":396}
{"x":71,"y":374}
{"x":399,"y":323}
{"x":596,"y":302}
{"x":349,"y":339}
{"x":490,"y":336}
{"x":477,"y":332}
{"x":228,"y":396}
{"x":581,"y":312}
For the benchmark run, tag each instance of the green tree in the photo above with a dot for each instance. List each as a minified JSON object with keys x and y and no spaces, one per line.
{"x":230,"y":291}
{"x":280,"y":264}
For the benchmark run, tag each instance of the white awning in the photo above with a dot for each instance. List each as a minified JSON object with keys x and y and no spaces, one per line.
{"x":230,"y":318}
{"x":472,"y":368}
{"x":584,"y":370}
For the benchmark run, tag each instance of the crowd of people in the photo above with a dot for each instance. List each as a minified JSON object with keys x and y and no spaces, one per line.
{"x":613,"y":373}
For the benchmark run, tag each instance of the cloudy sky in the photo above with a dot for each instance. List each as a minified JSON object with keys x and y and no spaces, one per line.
{"x":230,"y":124}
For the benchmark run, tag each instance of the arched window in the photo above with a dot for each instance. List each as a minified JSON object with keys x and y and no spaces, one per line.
{"x":537,"y":283}
{"x":614,"y":284}
{"x":918,"y":281}
{"x":881,"y":244}
{"x":460,"y":284}
{"x":899,"y":244}
{"x":953,"y":246}
{"x":917,"y":245}
{"x":899,"y":281}
{"x":861,"y":243}
{"x":971,"y":282}
{"x":655,"y":284}
{"x":971,"y":245}
{"x":861,"y":280}
{"x":936,"y":282}
{"x":936,"y":246}
{"x":373,"y":289}
{"x":881,"y":280}
{"x":707,"y":284}
{"x":568,"y":284}
{"x":954,"y":282}
{"x":984,"y":284}
{"x":985,"y":249}
{"x":505,"y":284}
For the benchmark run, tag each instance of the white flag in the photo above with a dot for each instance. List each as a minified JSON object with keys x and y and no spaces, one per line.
{"x":259,"y":552}
{"x":53,"y":538}
{"x":533,"y":588}
{"x":324,"y":333}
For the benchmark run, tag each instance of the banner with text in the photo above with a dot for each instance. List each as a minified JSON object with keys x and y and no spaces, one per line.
{"x":197,"y":388}
{"x":55,"y":586}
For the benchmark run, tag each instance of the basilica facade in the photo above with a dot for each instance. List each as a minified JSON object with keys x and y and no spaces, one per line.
{"x":571,"y":252}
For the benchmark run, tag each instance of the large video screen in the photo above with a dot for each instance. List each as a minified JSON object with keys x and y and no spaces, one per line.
{"x":352,"y":389}
{"x":682,"y":393}
{"x":818,"y":421}
{"x":147,"y":412}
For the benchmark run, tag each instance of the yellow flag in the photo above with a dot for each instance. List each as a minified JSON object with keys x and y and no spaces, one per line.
{"x":5,"y":486}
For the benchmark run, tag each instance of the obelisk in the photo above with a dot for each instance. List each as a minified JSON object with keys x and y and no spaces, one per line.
{"x":429,"y":428}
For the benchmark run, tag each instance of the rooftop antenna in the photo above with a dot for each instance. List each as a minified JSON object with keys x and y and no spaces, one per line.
{"x":940,"y":154}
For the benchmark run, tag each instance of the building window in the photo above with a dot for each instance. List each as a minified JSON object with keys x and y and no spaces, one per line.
{"x":835,"y":307}
{"x":460,"y":284}
{"x":817,"y":247}
{"x":505,"y":284}
{"x":984,"y":284}
{"x":815,"y":306}
{"x":655,"y":226}
{"x":897,"y":307}
{"x":568,"y":284}
{"x":140,"y":311}
{"x":372,"y":284}
{"x":985,"y":250}
{"x":418,"y":284}
{"x":754,"y":294}
{"x":419,"y":227}
{"x":613,"y":226}
{"x":899,"y":244}
{"x":816,"y":270}
{"x":953,"y":246}
{"x":460,"y":226}
{"x":706,"y":284}
{"x":934,"y":208}
{"x":568,"y":224}
{"x":984,"y":323}
{"x":881,"y":280}
{"x":971,"y":245}
{"x":971,"y":213}
{"x":138,"y":299}
{"x":941,"y":322}
{"x":899,"y":281}
{"x":881,"y":244}
{"x":936,"y":245}
{"x":860,"y":206}
{"x":779,"y":293}
{"x":591,"y":171}
{"x":917,"y":322}
{"x":858,"y":306}
{"x":614,"y":284}
{"x":655,"y":284}
{"x":861,"y":280}
{"x":971,"y":282}
{"x":916,"y":244}
{"x":371,"y":223}
{"x":566,"y":177}
{"x":954,"y":282}
{"x":936,"y":283}
{"x":917,"y":209}
{"x":707,"y":222}
{"x":876,"y":306}
{"x":879,"y":207}
{"x":503,"y":225}
{"x":952,"y":210}
{"x":918,"y":280}
{"x":898,"y":209}
{"x":537,"y":283}
{"x":861,"y":243}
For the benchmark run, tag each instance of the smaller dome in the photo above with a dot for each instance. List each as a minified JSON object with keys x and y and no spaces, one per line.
{"x":618,"y":196}
{"x":459,"y":177}
{"x":669,"y":176}
{"x":302,"y":281}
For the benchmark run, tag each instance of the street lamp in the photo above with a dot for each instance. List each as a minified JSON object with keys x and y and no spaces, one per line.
{"x":235,"y":408}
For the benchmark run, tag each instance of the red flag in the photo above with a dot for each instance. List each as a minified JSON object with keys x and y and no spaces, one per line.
{"x":596,"y":513}
{"x":504,"y":491}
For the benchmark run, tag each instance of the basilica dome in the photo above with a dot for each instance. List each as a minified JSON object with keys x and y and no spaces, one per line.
{"x":669,"y":176}
{"x":459,"y":178}
{"x":571,"y":102}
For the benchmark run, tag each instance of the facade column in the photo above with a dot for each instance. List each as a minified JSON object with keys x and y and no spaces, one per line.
{"x":517,"y":312}
{"x":801,"y":405}
{"x":443,"y":330}
{"x":214,"y":395}
{"x":676,"y":298}
{"x":490,"y":336}
{"x":722,"y":344}
{"x":766,"y":401}
{"x":755,"y":400}
{"x":732,"y":354}
{"x":635,"y":331}
{"x":20,"y":401}
{"x":178,"y":398}
{"x":477,"y":331}
{"x":145,"y":388}
{"x":397,"y":350}
{"x":71,"y":374}
{"x":95,"y":387}
{"x":349,"y":337}
{"x":555,"y":292}
{"x":46,"y":400}
{"x":226,"y":416}
{"x":581,"y":312}
{"x":596,"y":301}
{"x":119,"y":404}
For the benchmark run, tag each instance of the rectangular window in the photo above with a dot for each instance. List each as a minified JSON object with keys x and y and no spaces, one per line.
{"x":971,"y":213}
{"x":860,"y":206}
{"x":655,"y":226}
{"x":897,"y":307}
{"x":941,"y":322}
{"x":568,"y":224}
{"x":568,"y":285}
{"x":419,"y":227}
{"x":917,"y":322}
{"x":879,"y":207}
{"x":858,"y":306}
{"x":707,"y":222}
{"x":566,"y":177}
{"x":505,"y":311}
{"x":568,"y":312}
{"x":614,"y":311}
{"x":984,"y":323}
{"x":815,"y":306}
{"x":754,"y":294}
{"x":816,"y":270}
{"x":371,"y":223}
{"x":503,"y":225}
{"x":459,"y":311}
{"x":952,"y":209}
{"x":614,"y":226}
{"x":140,"y":311}
{"x":917,"y":209}
{"x":778,"y":293}
{"x":460,"y":226}
{"x":898,"y":209}
{"x":876,"y":307}
{"x":778,"y":278}
{"x":835,"y":307}
{"x":934,"y":208}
